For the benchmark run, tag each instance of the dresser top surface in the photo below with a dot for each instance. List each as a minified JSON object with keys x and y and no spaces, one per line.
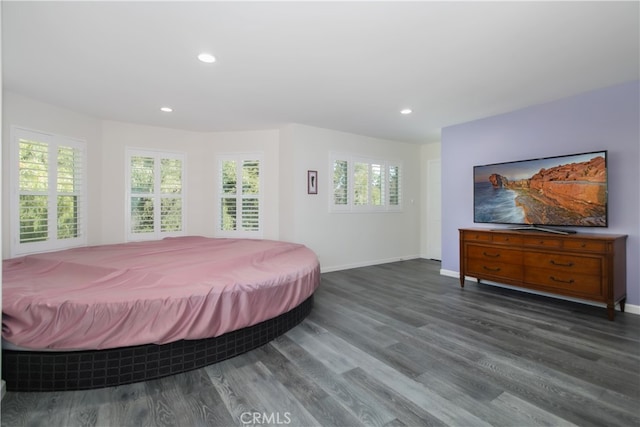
{"x":539,"y":233}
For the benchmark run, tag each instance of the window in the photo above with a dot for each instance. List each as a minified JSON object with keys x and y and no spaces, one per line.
{"x":240,"y":195}
{"x":48,"y":197}
{"x":155,"y":194}
{"x":364,"y":185}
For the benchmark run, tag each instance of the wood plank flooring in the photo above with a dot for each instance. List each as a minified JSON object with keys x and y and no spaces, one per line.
{"x":392,"y":345}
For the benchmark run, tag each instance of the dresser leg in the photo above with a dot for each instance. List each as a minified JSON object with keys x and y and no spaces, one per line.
{"x":611,"y":311}
{"x":622,"y":301}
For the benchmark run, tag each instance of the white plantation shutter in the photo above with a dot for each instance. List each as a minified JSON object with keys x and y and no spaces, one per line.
{"x":377,"y":184}
{"x":340,"y":184}
{"x":251,"y":195}
{"x":70,"y":187}
{"x":240,"y":195}
{"x":394,"y":181}
{"x":141,"y":180}
{"x":155,"y":194}
{"x":34,"y":191}
{"x":48,"y":192}
{"x":228,"y":195}
{"x":361,"y":184}
{"x":171,"y":195}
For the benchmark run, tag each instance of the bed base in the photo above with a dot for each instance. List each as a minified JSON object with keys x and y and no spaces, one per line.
{"x":82,"y":370}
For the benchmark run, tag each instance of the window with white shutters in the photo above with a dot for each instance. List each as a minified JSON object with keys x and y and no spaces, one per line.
{"x":364,"y":185}
{"x":48,"y":192}
{"x":155,"y":194}
{"x":240,"y":195}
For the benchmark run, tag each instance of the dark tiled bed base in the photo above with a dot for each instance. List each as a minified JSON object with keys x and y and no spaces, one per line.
{"x":80,"y":370}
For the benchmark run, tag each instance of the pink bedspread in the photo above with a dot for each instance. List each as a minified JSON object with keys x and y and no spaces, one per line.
{"x":151,"y":292}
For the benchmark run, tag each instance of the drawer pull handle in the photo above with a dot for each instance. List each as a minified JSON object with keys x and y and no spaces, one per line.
{"x":559,"y":264}
{"x":491,"y":269}
{"x":560,"y":280}
{"x":491,"y":255}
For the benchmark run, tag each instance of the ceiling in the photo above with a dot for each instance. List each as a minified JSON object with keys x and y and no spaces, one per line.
{"x":347,"y":66}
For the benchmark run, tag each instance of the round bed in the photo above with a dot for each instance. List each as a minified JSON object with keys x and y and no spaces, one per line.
{"x":115,"y":314}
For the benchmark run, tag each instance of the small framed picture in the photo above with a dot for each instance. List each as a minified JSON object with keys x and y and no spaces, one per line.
{"x":312,"y":182}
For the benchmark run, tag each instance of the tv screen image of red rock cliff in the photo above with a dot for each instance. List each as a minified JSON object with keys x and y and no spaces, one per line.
{"x":563,"y":191}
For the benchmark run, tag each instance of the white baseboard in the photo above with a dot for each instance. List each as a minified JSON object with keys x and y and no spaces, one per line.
{"x":329,"y":269}
{"x":450,"y":273}
{"x":628,"y":308}
{"x":633,"y":309}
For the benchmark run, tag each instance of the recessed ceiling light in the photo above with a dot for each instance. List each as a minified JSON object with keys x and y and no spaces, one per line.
{"x":166,"y":109}
{"x":207,"y":58}
{"x":406,"y":111}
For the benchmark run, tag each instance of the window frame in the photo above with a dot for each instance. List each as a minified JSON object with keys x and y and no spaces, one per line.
{"x":351,"y":206}
{"x":54,"y":142}
{"x":239,"y":158}
{"x":156,"y":194}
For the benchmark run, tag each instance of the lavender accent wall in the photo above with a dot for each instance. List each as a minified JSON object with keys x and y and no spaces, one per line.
{"x":606,"y":119}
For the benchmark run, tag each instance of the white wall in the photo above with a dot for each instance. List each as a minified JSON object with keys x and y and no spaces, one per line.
{"x":341,"y":240}
{"x":289,"y":187}
{"x":119,"y":136}
{"x":106,"y":143}
{"x":201,"y":150}
{"x":345,"y":240}
{"x":28,"y":113}
{"x":428,"y":153}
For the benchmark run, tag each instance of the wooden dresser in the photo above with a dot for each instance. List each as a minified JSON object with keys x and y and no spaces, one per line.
{"x":585,"y":266}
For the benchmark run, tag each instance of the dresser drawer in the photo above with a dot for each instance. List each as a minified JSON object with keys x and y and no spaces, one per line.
{"x":568,"y":282}
{"x":478,"y":236}
{"x":565,"y":263}
{"x":510,"y":239}
{"x":585,"y":245}
{"x":494,"y":254}
{"x":542,"y":242}
{"x":494,"y":269}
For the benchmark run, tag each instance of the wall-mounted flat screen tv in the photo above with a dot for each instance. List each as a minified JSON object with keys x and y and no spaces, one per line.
{"x":563,"y":191}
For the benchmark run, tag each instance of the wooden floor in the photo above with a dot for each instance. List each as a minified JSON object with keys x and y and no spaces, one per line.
{"x":392,"y":345}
